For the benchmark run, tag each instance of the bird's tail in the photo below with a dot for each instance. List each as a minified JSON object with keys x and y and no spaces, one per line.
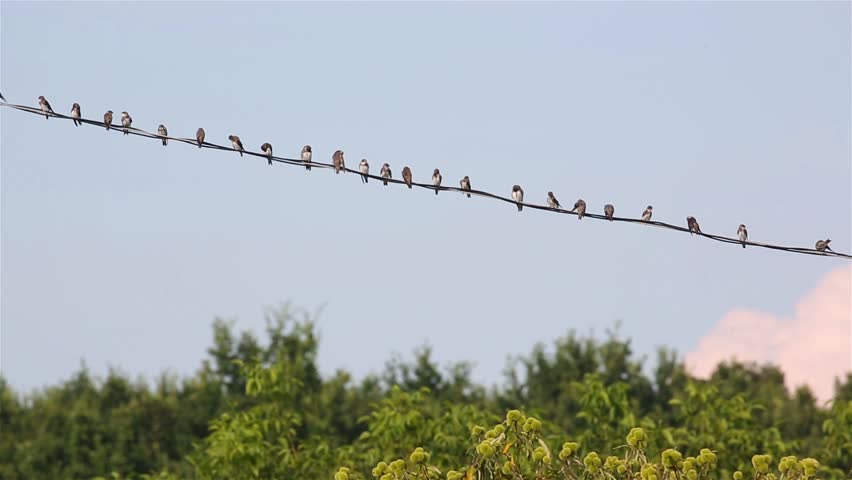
{"x":165,"y":141}
{"x":308,"y":168}
{"x":385,"y":182}
{"x":107,"y":126}
{"x":409,"y":186}
{"x":520,"y":207}
{"x":269,"y":160}
{"x":743,"y":244}
{"x":468,"y":195}
{"x":436,"y":191}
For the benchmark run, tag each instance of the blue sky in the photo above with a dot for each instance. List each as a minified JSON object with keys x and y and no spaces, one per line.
{"x":121,"y":252}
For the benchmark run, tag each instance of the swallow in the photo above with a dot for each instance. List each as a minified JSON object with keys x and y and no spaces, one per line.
{"x":692,"y":223}
{"x":436,"y":179}
{"x":742,"y":234}
{"x":2,"y":97}
{"x":306,"y":157}
{"x":822,"y":245}
{"x":161,"y":130}
{"x":364,"y":168}
{"x":406,"y":176}
{"x":609,"y":211}
{"x":518,"y":196}
{"x":267,"y":149}
{"x":45,"y":106}
{"x":75,"y":114}
{"x":338,"y":162}
{"x":465,"y":184}
{"x":126,"y":121}
{"x":646,"y":215}
{"x":580,"y":207}
{"x":385,"y":173}
{"x":108,"y":119}
{"x":552,"y":202}
{"x":236,"y":143}
{"x":199,"y":136}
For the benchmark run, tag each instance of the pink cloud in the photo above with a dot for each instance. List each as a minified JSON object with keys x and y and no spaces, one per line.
{"x":812,"y":347}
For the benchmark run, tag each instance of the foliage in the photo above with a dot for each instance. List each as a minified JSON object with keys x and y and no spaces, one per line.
{"x":261,"y":409}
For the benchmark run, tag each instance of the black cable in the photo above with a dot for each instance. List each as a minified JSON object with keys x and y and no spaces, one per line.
{"x":430,"y":187}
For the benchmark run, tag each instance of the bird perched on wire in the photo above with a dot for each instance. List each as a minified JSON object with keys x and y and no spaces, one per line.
{"x":75,"y":114}
{"x":267,"y":149}
{"x":580,"y":207}
{"x":108,"y":119}
{"x":742,"y":234}
{"x":199,"y":136}
{"x":126,"y":121}
{"x":692,"y":223}
{"x":385,"y":173}
{"x":436,"y":179}
{"x":337,"y":161}
{"x":518,"y":196}
{"x":236,"y":143}
{"x":465,"y":184}
{"x":306,"y":157}
{"x":406,"y":176}
{"x":364,"y":168}
{"x":822,"y":245}
{"x":161,"y":130}
{"x":609,"y":211}
{"x":646,"y":215}
{"x":45,"y":106}
{"x":552,"y":202}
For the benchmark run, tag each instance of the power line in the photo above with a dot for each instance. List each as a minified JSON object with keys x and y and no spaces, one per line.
{"x":428,"y":186}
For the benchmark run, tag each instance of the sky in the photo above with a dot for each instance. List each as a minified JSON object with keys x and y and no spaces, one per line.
{"x":120,"y":253}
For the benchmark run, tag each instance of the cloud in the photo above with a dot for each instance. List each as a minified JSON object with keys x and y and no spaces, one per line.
{"x":812,"y":347}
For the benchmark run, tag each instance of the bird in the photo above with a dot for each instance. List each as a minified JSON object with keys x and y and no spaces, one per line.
{"x":385,"y":173}
{"x":692,"y":223}
{"x":45,"y":106}
{"x":126,"y":121}
{"x":436,"y":179}
{"x":646,"y":215}
{"x":267,"y":149}
{"x":161,"y":130}
{"x":338,"y":162}
{"x":580,"y":207}
{"x":306,"y":157}
{"x":406,"y":176}
{"x":75,"y":114}
{"x":609,"y":211}
{"x":2,"y":97}
{"x":108,"y":119}
{"x":364,"y":168}
{"x":822,"y":245}
{"x":552,"y":202}
{"x":742,"y":233}
{"x":518,"y":196}
{"x":199,"y":136}
{"x":465,"y":184}
{"x":236,"y":143}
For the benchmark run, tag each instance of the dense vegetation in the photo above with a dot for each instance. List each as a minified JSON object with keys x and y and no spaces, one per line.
{"x":582,"y":408}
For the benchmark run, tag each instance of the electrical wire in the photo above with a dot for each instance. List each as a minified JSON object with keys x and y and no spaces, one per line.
{"x":428,"y":186}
